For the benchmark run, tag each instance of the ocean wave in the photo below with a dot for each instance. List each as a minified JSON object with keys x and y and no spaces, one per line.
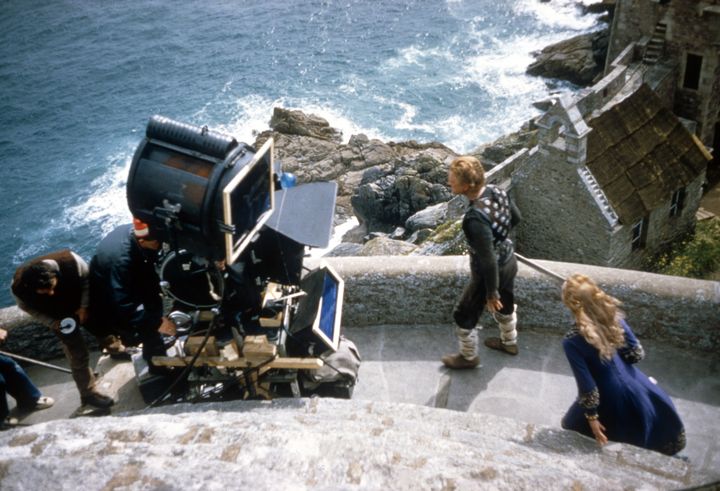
{"x":559,"y":13}
{"x":500,"y":67}
{"x":408,"y":112}
{"x":419,"y":56}
{"x":106,"y":206}
{"x":337,"y":118}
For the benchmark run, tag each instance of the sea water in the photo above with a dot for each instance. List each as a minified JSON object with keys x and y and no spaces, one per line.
{"x":79,"y":80}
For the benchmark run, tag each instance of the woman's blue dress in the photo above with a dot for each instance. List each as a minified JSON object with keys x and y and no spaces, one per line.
{"x":632,"y":408}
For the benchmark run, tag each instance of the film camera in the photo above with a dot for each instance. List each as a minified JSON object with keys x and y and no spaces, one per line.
{"x":252,"y":321}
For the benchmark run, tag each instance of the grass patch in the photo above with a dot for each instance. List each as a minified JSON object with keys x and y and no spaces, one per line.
{"x":450,"y":237}
{"x":697,"y":256}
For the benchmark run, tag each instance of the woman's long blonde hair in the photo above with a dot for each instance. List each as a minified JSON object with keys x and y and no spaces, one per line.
{"x":596,"y":314}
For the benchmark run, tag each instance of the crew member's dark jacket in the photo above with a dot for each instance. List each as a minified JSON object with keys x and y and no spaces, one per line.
{"x":70,"y":294}
{"x":486,"y":225}
{"x":124,"y":286}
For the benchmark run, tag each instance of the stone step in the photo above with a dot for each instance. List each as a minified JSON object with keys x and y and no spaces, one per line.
{"x":323,"y":444}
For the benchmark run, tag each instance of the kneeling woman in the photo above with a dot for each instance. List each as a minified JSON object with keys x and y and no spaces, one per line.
{"x":616,"y":401}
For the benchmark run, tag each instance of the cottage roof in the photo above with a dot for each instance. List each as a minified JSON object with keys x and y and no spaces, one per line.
{"x":640,"y":153}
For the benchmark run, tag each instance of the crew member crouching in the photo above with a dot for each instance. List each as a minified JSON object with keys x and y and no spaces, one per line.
{"x":54,"y":290}
{"x":125,"y":288}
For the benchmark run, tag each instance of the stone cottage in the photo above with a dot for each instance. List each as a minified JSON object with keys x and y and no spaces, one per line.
{"x":679,"y":42}
{"x":614,"y":178}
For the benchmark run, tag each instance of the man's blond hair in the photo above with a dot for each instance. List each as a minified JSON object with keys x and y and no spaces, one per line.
{"x":469,"y":170}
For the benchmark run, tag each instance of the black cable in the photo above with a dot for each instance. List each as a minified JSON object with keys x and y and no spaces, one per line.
{"x":187,"y":368}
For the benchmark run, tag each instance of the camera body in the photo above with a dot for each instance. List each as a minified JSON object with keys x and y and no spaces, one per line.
{"x":250,"y":321}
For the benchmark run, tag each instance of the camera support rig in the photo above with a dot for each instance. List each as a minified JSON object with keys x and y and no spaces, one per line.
{"x":250,"y":321}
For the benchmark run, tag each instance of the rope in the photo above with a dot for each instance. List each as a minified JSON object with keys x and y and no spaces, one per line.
{"x":537,"y":267}
{"x":36,"y":362}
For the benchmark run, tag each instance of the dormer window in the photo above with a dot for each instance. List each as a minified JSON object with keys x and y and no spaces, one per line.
{"x":677,"y":202}
{"x":639,"y":234}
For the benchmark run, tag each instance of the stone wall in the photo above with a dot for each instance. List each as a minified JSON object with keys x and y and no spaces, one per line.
{"x":695,"y":29}
{"x":693,"y":26}
{"x":662,"y":230}
{"x":422,"y":290}
{"x":632,"y":20}
{"x":552,"y":196}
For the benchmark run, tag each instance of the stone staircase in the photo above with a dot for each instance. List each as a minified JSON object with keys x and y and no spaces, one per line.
{"x":656,"y":45}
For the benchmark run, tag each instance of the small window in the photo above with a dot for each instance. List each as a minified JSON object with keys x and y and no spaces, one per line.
{"x":639,"y":234}
{"x":693,"y":66}
{"x":677,"y":202}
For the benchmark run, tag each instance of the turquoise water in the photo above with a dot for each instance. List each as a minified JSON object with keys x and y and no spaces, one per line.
{"x":79,"y":80}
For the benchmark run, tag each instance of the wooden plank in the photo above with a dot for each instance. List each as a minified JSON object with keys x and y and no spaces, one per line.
{"x":194,"y":342}
{"x":272,"y":322}
{"x":214,"y":361}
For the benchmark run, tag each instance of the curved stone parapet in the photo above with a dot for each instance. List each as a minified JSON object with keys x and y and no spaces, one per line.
{"x":422,"y":290}
{"x":416,"y":290}
{"x":322,"y":444}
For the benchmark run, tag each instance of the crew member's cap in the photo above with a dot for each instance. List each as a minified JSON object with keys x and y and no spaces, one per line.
{"x":141,"y":229}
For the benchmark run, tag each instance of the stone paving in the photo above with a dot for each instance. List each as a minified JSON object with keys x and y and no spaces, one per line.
{"x":401,"y":365}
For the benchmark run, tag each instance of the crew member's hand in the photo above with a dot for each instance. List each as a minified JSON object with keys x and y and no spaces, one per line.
{"x":3,"y":335}
{"x":167,"y":327}
{"x":82,"y":315}
{"x":494,"y":305}
{"x":598,"y":430}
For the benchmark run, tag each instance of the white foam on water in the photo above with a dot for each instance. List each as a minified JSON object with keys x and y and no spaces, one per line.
{"x":418,"y":56}
{"x":337,"y":118}
{"x":251,"y":115}
{"x":408,"y":113}
{"x":337,"y":235}
{"x":107,"y":205}
{"x":558,"y":13}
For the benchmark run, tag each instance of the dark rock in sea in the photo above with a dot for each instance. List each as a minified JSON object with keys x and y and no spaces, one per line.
{"x":405,"y":176}
{"x":389,"y":201}
{"x":491,"y":154}
{"x":301,"y":124}
{"x":602,"y":7}
{"x":394,"y":189}
{"x":578,"y":60}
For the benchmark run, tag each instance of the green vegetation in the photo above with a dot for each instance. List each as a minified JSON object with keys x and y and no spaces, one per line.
{"x":696,"y":257}
{"x":447,"y":231}
{"x":450,"y":234}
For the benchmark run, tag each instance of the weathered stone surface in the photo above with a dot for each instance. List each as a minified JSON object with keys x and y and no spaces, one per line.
{"x":298,"y":123}
{"x":321,"y":444}
{"x":386,"y":200}
{"x":345,"y":249}
{"x":411,"y":174}
{"x":493,"y":153}
{"x":430,"y":217}
{"x":579,"y":59}
{"x":385,"y":246}
{"x":660,"y":307}
{"x":419,"y":236}
{"x":446,"y":240}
